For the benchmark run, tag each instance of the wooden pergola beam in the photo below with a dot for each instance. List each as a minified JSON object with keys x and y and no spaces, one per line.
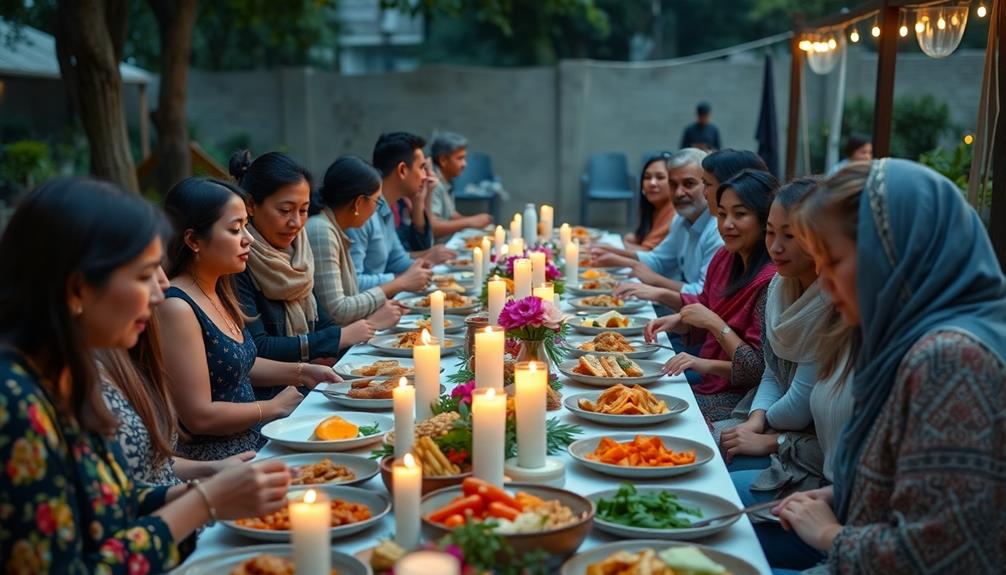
{"x":883,"y":106}
{"x":795,"y":83}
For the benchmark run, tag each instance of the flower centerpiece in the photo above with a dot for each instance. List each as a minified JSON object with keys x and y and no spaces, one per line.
{"x":503,"y":269}
{"x":538,"y":325}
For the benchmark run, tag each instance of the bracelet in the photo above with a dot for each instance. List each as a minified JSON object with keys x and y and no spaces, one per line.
{"x":195,"y":484}
{"x":259,"y":406}
{"x":305,"y":348}
{"x":300,"y":371}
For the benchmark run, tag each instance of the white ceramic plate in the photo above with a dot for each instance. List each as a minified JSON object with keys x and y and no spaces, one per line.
{"x":636,"y":325}
{"x":675,"y":406}
{"x":226,"y":561}
{"x":378,"y":503}
{"x":411,"y":323}
{"x":363,"y":467}
{"x":643,"y":349}
{"x":651,"y":374}
{"x":710,"y":506}
{"x":336,"y":392}
{"x":385,"y":344}
{"x":628,"y":306}
{"x":412,"y":304}
{"x":345,"y":370}
{"x":703,"y":454}
{"x":296,"y":432}
{"x":578,"y":564}
{"x":579,"y":291}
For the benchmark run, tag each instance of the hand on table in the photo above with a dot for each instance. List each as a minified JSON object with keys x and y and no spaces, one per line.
{"x":311,"y":375}
{"x":661,"y":324}
{"x":386,"y":316}
{"x":683,"y":361}
{"x":639,"y":291}
{"x":215,"y":467}
{"x":606,"y":259}
{"x":359,"y":331}
{"x":440,"y":253}
{"x":643,"y":273}
{"x":809,"y":513}
{"x":480,"y":220}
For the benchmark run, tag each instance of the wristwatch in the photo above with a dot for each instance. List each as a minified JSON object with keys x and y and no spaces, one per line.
{"x":723,"y":332}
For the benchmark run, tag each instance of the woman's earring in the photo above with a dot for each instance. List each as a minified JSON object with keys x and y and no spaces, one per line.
{"x":356,"y":212}
{"x":78,"y":311}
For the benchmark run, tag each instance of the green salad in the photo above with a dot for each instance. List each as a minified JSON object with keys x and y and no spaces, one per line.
{"x":654,"y":510}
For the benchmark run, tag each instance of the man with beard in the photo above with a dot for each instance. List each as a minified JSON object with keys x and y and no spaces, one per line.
{"x":678,"y":264}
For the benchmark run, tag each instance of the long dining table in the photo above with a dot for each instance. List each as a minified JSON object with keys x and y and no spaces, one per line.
{"x":739,"y":539}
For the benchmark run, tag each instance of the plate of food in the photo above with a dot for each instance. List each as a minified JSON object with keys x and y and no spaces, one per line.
{"x":341,"y":431}
{"x":604,"y":370}
{"x":417,"y":322}
{"x":528,"y":516}
{"x":453,"y":303}
{"x":327,"y":468}
{"x":365,"y":393}
{"x":449,"y":286}
{"x":604,"y":302}
{"x":353,"y":510}
{"x":459,"y":264}
{"x":594,"y":287}
{"x":463,"y":278}
{"x":656,"y":557}
{"x":586,"y":235}
{"x":274,"y":559}
{"x":654,"y":512}
{"x":610,"y":321}
{"x":608,"y":343}
{"x":401,"y":344}
{"x":641,"y":456}
{"x":621,"y":405}
{"x":379,"y":368}
{"x":597,"y":273}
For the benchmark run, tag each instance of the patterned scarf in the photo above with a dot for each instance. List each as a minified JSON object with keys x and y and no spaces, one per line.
{"x":287,"y":278}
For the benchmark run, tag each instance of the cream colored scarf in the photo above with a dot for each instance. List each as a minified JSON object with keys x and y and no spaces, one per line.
{"x":794,"y":325}
{"x":287,"y":278}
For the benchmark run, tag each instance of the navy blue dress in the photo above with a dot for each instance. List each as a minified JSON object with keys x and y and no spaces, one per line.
{"x":230,"y":363}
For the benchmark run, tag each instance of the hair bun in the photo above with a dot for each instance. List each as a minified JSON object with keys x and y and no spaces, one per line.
{"x":238,"y":164}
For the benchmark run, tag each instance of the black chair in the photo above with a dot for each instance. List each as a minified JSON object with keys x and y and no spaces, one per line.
{"x":479,"y":168}
{"x":606,"y":179}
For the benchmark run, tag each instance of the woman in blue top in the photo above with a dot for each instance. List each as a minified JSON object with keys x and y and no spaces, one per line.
{"x":209,"y":354}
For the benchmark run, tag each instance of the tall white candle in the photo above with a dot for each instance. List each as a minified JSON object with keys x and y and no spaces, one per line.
{"x":515,"y":227}
{"x":537,"y":268}
{"x":487,"y":246}
{"x":426,"y":355}
{"x":489,"y":358}
{"x":572,"y":264}
{"x":530,"y":381}
{"x":404,"y":397}
{"x":427,"y":563}
{"x":407,"y":487}
{"x":516,"y":247}
{"x":477,"y":267}
{"x":488,"y":427}
{"x":497,"y":297}
{"x":546,"y":221}
{"x":437,"y":315}
{"x":311,"y":522}
{"x":530,"y":224}
{"x":500,"y":237}
{"x":521,"y":278}
{"x":565,"y":235}
{"x":546,"y":292}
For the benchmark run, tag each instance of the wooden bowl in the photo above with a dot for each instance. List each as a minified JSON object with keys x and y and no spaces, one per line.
{"x":430,"y":484}
{"x":557,"y":543}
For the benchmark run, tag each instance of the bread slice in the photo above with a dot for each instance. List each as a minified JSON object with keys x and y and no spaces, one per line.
{"x":611,"y":367}
{"x":589,"y":365}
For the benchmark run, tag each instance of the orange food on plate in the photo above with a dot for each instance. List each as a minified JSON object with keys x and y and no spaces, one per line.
{"x":343,"y":513}
{"x":643,"y":451}
{"x":335,"y":428}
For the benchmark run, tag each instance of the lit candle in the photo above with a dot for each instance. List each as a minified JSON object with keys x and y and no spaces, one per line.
{"x":404,"y":396}
{"x":427,"y":562}
{"x":537,"y":268}
{"x":437,"y":315}
{"x":546,"y":292}
{"x":486,"y":247}
{"x":488,"y":427}
{"x":426,"y":356}
{"x":407,"y":487}
{"x":546,"y":221}
{"x":516,"y":247}
{"x":489,"y":358}
{"x":476,"y":268}
{"x":572,"y":264}
{"x":497,"y":297}
{"x":530,"y":381}
{"x":500,"y":237}
{"x":311,"y":522}
{"x":515,"y":226}
{"x":521,"y":278}
{"x":565,"y":234}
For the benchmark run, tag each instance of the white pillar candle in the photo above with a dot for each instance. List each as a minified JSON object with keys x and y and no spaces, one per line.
{"x":497,"y":297}
{"x":404,"y":397}
{"x":437,"y":315}
{"x":521,"y":278}
{"x":572,"y":264}
{"x":426,"y":356}
{"x":537,"y":268}
{"x":407,"y":487}
{"x":530,"y":381}
{"x":565,"y":235}
{"x":500,"y":237}
{"x":530,"y":224}
{"x":516,"y":247}
{"x":515,"y":224}
{"x":427,"y":563}
{"x":546,"y":222}
{"x":487,"y":246}
{"x":477,"y":267}
{"x":489,"y":358}
{"x":546,"y":292}
{"x":488,"y":428}
{"x":311,"y":522}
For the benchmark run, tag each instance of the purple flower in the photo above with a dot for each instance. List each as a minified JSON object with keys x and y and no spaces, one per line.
{"x":523,"y":312}
{"x":549,"y":256}
{"x":552,"y":272}
{"x":464,"y":391}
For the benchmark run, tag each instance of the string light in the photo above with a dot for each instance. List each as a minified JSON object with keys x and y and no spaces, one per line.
{"x":941,"y":23}
{"x":982,"y":11}
{"x":969,"y":139}
{"x":875,"y":31}
{"x":832,"y":44}
{"x":854,"y":36}
{"x":903,"y":30}
{"x":806,"y":45}
{"x":920,"y":25}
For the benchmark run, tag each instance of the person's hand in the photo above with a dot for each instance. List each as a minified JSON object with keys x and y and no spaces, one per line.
{"x":743,"y":440}
{"x":684,"y":361}
{"x":698,"y":315}
{"x":630,"y":238}
{"x":416,"y":278}
{"x":439,"y":254}
{"x":608,"y":259}
{"x":284,"y":403}
{"x":357,"y":332}
{"x":479,"y":220}
{"x":248,"y":489}
{"x":639,"y":291}
{"x":811,"y":516}
{"x":666,"y":323}
{"x":386,"y":316}
{"x":219,"y":465}
{"x":643,"y":273}
{"x":598,"y":249}
{"x":311,"y":375}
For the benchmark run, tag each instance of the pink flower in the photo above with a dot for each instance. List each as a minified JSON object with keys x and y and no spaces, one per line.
{"x":113,"y":550}
{"x":138,"y":565}
{"x":552,"y":318}
{"x":464,"y":391}
{"x":523,"y":312}
{"x":552,"y":272}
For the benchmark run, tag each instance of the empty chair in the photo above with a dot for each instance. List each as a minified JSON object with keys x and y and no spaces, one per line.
{"x":479,"y":168}
{"x":606,"y":179}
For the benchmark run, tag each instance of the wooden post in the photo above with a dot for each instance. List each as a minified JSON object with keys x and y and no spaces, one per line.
{"x":997,"y":207}
{"x":144,"y":124}
{"x":887,"y":50}
{"x":795,"y":83}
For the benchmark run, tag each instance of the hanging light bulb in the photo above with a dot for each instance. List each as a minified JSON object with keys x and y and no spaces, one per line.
{"x":920,"y":24}
{"x":903,"y":31}
{"x":941,"y":33}
{"x":854,"y":36}
{"x":981,"y":11}
{"x":875,"y":31}
{"x":941,"y":23}
{"x":806,"y":45}
{"x":832,"y":43}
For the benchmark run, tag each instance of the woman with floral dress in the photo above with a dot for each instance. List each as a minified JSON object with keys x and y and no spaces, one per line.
{"x":66,"y":505}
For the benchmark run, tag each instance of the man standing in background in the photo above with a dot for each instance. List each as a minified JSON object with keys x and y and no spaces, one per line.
{"x":702,"y":134}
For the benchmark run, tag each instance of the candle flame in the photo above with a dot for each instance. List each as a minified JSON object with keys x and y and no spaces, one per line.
{"x":310,"y":496}
{"x":402,"y":382}
{"x":532,"y":366}
{"x":491,"y":393}
{"x":477,"y":251}
{"x":489,"y":329}
{"x":425,"y":337}
{"x":409,"y":461}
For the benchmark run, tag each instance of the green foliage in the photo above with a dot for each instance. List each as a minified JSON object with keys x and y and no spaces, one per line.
{"x":27,"y":162}
{"x":918,"y":125}
{"x":956,"y":166}
{"x":485,"y":551}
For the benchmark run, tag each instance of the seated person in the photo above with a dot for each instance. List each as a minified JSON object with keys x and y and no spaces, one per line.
{"x":656,"y":206}
{"x":448,"y":151}
{"x":858,"y":148}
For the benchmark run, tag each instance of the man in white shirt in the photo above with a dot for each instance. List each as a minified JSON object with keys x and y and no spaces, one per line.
{"x":679,"y":263}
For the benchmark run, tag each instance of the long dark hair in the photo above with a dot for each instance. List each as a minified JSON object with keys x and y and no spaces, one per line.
{"x":756,"y":190}
{"x":196,"y":204}
{"x":728,"y":162}
{"x":268,"y":173}
{"x":64,"y":229}
{"x":348,"y":178}
{"x":646,"y":207}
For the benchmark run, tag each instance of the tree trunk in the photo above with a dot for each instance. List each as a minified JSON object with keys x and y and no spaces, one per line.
{"x":175,"y":19}
{"x":89,"y":47}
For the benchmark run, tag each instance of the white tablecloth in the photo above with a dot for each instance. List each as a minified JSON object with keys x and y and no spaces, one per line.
{"x":739,"y":539}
